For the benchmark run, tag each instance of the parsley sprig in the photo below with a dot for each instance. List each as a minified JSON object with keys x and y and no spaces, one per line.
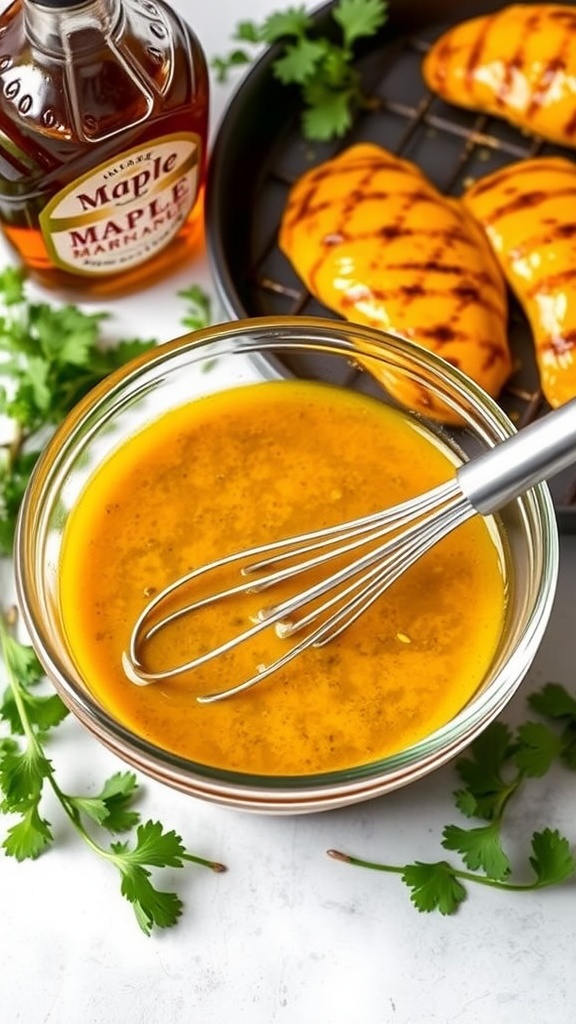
{"x":26,"y":770}
{"x":499,"y":764}
{"x":50,"y":356}
{"x":323,"y":70}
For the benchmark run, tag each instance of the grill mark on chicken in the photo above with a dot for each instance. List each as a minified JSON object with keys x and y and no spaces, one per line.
{"x":554,"y":67}
{"x":556,"y":233}
{"x":437,"y":267}
{"x":526,"y":201}
{"x":395,"y":231}
{"x":515,"y":171}
{"x":560,"y":346}
{"x":518,"y":60}
{"x":556,"y":64}
{"x":445,"y":51}
{"x":570,"y":126}
{"x":475,"y":55}
{"x":442,"y":335}
{"x":552,"y":283}
{"x":468,"y":294}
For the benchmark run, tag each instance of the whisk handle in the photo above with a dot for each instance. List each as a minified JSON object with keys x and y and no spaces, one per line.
{"x":535,"y":453}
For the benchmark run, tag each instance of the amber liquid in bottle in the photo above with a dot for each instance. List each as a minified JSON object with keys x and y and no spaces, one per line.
{"x":103,"y":129}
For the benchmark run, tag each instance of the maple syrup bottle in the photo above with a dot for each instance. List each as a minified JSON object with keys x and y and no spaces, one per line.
{"x":103,"y":131}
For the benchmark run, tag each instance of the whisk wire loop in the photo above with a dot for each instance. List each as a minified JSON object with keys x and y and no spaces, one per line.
{"x":368,"y":581}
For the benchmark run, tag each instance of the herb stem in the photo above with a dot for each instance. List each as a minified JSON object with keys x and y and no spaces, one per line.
{"x":74,"y":816}
{"x":15,"y":688}
{"x":214,"y":865}
{"x":465,"y":876}
{"x":394,"y":869}
{"x":16,"y":446}
{"x":506,"y":795}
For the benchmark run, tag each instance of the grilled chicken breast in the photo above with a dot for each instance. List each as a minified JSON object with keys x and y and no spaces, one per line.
{"x":518,"y":63}
{"x":376,"y":242}
{"x":528,"y":211}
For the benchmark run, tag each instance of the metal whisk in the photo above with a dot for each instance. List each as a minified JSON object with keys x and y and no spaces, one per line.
{"x":404,"y":532}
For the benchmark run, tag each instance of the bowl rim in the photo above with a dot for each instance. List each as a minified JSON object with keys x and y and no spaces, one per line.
{"x":332,"y":788}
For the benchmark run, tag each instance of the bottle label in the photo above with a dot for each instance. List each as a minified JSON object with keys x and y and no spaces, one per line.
{"x":126,"y":210}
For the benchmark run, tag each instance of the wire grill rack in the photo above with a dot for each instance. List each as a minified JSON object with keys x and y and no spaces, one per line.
{"x":260,"y":152}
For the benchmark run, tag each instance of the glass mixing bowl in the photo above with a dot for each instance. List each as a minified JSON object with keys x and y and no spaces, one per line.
{"x":244,"y":352}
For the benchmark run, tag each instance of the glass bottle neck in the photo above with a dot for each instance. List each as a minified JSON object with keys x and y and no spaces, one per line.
{"x":69,"y":29}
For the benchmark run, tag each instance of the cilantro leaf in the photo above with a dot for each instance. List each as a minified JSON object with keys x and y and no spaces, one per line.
{"x":151,"y":905}
{"x":199,"y":311}
{"x":154,"y":848}
{"x":222,"y":65}
{"x":468,"y":804}
{"x":44,"y":712}
{"x":328,"y":114}
{"x":8,"y":745}
{"x":118,"y":791}
{"x":568,"y":755}
{"x":12,"y":285}
{"x":480,"y":848}
{"x":22,"y":660}
{"x":337,"y":73}
{"x":552,"y":858}
{"x":300,"y":61}
{"x":93,"y":806}
{"x":63,"y":334}
{"x":554,"y":701}
{"x":248,"y":32}
{"x":22,"y":774}
{"x":110,"y":807}
{"x":434,"y":887}
{"x":538,"y":747}
{"x":358,"y":18}
{"x":482,"y":773}
{"x":13,"y":482}
{"x":295,"y":21}
{"x":30,"y":836}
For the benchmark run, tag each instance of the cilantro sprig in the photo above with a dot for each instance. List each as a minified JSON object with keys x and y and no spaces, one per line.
{"x":322,"y":69}
{"x":26,"y":771}
{"x":50,"y":356}
{"x":500,"y":762}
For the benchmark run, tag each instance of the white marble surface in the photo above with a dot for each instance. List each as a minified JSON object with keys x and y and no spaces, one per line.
{"x":288,"y":936}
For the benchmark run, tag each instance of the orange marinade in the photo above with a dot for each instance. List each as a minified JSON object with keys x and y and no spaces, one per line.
{"x":253,"y":464}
